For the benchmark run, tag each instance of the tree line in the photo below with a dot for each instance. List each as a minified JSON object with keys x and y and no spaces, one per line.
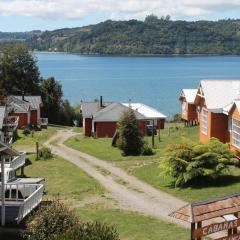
{"x":19,"y":75}
{"x":152,"y":36}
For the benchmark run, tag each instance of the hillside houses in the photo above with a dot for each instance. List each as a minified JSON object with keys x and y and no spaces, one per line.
{"x":218,"y":105}
{"x":27,"y":109}
{"x":100,"y":118}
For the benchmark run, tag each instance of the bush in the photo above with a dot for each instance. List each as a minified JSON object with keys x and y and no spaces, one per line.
{"x":26,"y":131}
{"x":130,"y":140}
{"x":186,"y":163}
{"x":49,"y":221}
{"x":147,"y":151}
{"x":45,"y":153}
{"x":90,"y":231}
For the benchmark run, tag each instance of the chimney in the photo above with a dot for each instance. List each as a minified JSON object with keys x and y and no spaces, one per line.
{"x":101,"y":102}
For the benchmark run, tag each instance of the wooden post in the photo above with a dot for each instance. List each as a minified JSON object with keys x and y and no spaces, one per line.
{"x":199,"y":225}
{"x":22,"y":171}
{"x":3,"y":190}
{"x":159,"y":135}
{"x":192,"y":231}
{"x":152,"y":133}
{"x":37,"y":151}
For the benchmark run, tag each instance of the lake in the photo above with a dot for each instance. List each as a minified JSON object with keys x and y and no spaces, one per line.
{"x":155,"y":81}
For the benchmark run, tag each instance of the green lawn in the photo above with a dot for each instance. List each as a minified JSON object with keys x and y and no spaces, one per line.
{"x":146,"y":167}
{"x":224,"y":186}
{"x":133,"y":226}
{"x":102,"y":148}
{"x":66,"y":181}
{"x":63,"y":178}
{"x":29,"y":141}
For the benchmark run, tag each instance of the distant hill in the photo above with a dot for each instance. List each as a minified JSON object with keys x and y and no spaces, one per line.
{"x":152,"y":36}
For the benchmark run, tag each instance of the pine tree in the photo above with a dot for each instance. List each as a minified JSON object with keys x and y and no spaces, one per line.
{"x":130,"y":139}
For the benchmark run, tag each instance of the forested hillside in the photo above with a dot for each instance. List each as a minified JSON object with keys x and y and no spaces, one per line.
{"x":152,"y":36}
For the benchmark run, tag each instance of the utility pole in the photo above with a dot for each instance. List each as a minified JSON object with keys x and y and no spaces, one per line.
{"x":152,"y":133}
{"x":3,"y":190}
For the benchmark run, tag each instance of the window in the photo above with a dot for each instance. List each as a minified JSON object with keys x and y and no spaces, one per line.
{"x":204,"y":121}
{"x":236,"y":132}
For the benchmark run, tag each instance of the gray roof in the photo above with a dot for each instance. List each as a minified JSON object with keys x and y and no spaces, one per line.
{"x":90,"y":108}
{"x":17,"y":105}
{"x":113,"y":112}
{"x":34,"y":101}
{"x":2,"y":115}
{"x":8,"y":150}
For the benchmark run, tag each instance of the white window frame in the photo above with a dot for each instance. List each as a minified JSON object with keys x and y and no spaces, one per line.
{"x":235,"y":136}
{"x":204,"y":127}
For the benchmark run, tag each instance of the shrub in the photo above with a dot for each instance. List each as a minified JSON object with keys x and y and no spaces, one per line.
{"x":90,"y":231}
{"x":26,"y":131}
{"x":208,"y":161}
{"x":130,"y":140}
{"x":45,"y":153}
{"x":147,"y":150}
{"x":49,"y":221}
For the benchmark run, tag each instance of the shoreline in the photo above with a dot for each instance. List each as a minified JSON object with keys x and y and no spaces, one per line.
{"x":137,"y":55}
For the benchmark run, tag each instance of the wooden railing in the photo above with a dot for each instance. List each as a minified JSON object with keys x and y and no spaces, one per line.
{"x":31,"y":202}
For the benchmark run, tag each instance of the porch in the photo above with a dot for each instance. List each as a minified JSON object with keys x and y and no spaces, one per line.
{"x":20,"y":200}
{"x":16,"y":162}
{"x":43,"y":122}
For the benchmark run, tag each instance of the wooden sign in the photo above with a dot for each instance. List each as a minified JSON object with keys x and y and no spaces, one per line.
{"x":216,"y":227}
{"x":232,"y":237}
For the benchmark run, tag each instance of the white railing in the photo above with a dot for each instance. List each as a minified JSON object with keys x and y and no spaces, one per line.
{"x":31,"y":202}
{"x":43,"y":121}
{"x":8,"y":140}
{"x":19,"y":191}
{"x":17,"y":161}
{"x":11,"y":123}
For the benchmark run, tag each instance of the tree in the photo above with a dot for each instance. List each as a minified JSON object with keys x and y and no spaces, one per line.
{"x":51,"y":92}
{"x":151,"y":19}
{"x":19,"y":73}
{"x":130,"y":140}
{"x":208,"y":161}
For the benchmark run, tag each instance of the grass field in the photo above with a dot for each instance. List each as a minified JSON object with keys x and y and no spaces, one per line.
{"x":102,"y":148}
{"x":69,"y":183}
{"x":146,"y":167}
{"x":29,"y":141}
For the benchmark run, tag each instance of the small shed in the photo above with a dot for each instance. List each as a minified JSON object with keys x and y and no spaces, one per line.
{"x":188,"y":109}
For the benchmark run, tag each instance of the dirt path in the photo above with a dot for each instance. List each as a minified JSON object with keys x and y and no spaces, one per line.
{"x":134,"y":194}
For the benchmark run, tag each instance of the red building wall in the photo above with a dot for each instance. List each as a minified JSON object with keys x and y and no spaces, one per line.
{"x":160,"y":123}
{"x":108,"y":129}
{"x":23,"y":119}
{"x":105,"y":129}
{"x":87,"y":128}
{"x":34,"y":117}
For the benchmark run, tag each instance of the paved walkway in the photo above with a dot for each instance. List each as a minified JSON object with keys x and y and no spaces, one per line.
{"x":135,"y":195}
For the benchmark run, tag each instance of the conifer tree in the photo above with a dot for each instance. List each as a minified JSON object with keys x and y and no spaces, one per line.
{"x":130,"y":140}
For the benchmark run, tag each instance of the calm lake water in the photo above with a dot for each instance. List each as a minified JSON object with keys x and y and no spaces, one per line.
{"x":155,"y":81}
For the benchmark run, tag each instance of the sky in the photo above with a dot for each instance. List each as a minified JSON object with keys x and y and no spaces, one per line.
{"x":27,"y":15}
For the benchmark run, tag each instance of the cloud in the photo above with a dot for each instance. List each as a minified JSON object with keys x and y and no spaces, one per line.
{"x":115,"y":9}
